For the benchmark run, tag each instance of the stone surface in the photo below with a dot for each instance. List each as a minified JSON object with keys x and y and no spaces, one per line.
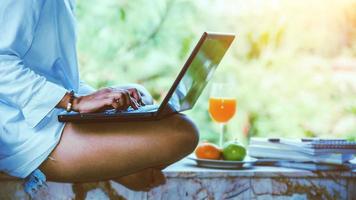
{"x":186,"y":181}
{"x":202,"y":188}
{"x":352,"y":189}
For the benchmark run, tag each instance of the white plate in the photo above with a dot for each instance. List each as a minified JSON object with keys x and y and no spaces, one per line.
{"x":223,"y":164}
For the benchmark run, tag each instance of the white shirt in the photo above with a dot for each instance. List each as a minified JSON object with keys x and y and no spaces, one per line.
{"x":38,"y":65}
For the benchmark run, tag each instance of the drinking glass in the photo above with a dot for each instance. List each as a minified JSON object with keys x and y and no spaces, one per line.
{"x":222,"y":105}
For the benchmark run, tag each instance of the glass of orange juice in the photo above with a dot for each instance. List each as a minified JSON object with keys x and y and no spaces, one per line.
{"x":222,"y":105}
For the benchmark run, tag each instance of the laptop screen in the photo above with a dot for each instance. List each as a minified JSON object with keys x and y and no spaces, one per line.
{"x":199,"y":70}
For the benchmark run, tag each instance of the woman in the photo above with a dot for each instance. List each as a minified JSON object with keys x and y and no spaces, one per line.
{"x":38,"y":70}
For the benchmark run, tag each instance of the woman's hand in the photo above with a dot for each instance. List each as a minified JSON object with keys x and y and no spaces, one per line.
{"x":119,"y":98}
{"x":108,"y":98}
{"x":145,"y":95}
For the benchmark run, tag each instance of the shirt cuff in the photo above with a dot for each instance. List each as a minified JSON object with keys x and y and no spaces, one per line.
{"x":42,"y":103}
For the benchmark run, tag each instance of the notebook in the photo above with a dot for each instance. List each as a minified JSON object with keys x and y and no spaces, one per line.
{"x":323,"y":143}
{"x":272,"y":152}
{"x":309,"y":146}
{"x":316,"y":166}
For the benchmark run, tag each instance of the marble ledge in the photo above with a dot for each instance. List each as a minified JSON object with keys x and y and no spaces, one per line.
{"x":187,"y":168}
{"x":186,"y":181}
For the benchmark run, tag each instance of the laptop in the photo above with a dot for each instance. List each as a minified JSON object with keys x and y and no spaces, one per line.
{"x":184,"y":92}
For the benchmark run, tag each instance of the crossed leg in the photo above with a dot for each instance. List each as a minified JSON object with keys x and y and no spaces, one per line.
{"x":103,"y":151}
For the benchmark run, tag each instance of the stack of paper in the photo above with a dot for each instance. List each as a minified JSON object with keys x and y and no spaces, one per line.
{"x":318,"y":166}
{"x":308,"y":151}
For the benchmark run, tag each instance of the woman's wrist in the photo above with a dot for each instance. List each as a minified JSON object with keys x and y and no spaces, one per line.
{"x":64,"y":101}
{"x":75,"y":103}
{"x":70,"y":101}
{"x":67,"y":99}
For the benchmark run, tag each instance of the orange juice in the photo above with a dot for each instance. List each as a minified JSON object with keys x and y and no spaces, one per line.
{"x":222,"y":109}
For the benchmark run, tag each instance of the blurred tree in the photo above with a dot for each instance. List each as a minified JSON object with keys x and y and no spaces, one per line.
{"x":282,"y":60}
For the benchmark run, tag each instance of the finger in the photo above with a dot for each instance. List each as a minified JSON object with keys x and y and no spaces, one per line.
{"x":120,"y":103}
{"x":134,"y":103}
{"x":140,"y":100}
{"x":117,"y":103}
{"x":121,"y":99}
{"x":135,"y":94}
{"x":126,"y":94}
{"x":142,"y":103}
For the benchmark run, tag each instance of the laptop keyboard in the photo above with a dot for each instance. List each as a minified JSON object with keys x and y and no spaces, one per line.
{"x":146,"y":108}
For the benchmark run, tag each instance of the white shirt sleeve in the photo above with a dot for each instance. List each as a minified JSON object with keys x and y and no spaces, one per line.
{"x":19,"y":85}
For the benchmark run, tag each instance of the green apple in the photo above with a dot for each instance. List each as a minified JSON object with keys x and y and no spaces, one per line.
{"x":234,"y":151}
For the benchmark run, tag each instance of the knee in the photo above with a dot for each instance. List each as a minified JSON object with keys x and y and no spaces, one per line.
{"x":186,"y":133}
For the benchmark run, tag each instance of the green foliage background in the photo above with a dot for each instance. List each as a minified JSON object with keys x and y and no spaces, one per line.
{"x":287,"y":63}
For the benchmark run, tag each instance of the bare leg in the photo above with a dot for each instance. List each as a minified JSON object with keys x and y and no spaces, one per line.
{"x":143,"y":180}
{"x":102,"y":151}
